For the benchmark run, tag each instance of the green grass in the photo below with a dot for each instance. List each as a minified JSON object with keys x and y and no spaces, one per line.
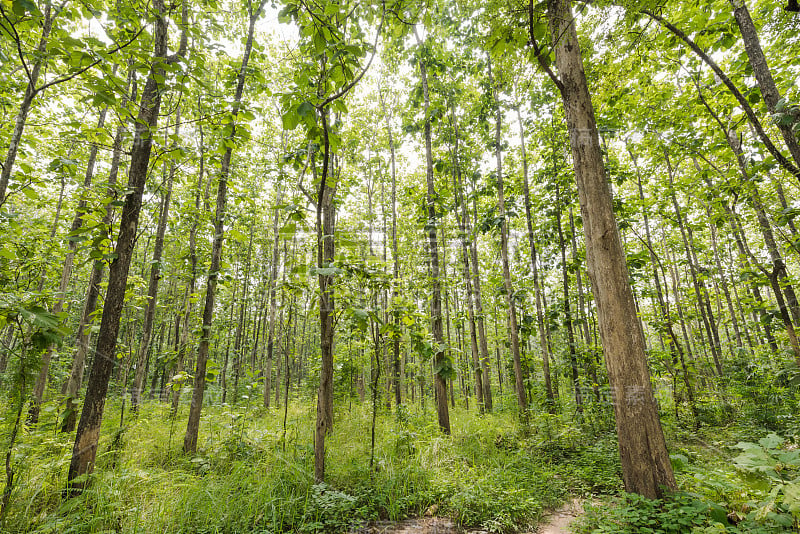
{"x":247,"y":478}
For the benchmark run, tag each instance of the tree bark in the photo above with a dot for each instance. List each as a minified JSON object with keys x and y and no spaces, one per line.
{"x":573,"y":358}
{"x":66,"y":274}
{"x":440,"y":361}
{"x":543,"y":346}
{"x":745,"y":105}
{"x":396,"y":360}
{"x":88,"y":434}
{"x":273,"y":277}
{"x":699,"y":288}
{"x":27,"y":100}
{"x":766,"y":83}
{"x":645,"y":462}
{"x":152,"y":286}
{"x":93,"y":292}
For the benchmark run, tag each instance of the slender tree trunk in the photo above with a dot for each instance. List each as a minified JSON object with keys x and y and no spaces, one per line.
{"x":93,"y":292}
{"x":441,"y":364}
{"x":699,"y":288}
{"x":462,"y":215}
{"x":519,"y":377}
{"x":589,"y":360}
{"x":396,"y":359}
{"x":273,"y":277}
{"x":27,"y":100}
{"x":241,"y":326}
{"x":152,"y":287}
{"x":326,"y":223}
{"x":543,"y":346}
{"x":66,"y":273}
{"x":743,"y":103}
{"x":645,"y":462}
{"x":183,"y":346}
{"x":483,"y":344}
{"x":675,"y":346}
{"x":723,"y":279}
{"x":573,"y":358}
{"x":193,"y":424}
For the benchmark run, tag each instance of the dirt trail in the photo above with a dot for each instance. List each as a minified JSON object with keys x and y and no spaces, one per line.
{"x":556,"y":522}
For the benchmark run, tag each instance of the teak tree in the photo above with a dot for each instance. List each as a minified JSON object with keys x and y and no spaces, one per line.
{"x":646,"y":467}
{"x":88,"y":434}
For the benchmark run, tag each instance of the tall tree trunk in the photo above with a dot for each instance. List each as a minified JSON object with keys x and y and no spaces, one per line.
{"x":519,"y":377}
{"x":645,"y":462}
{"x":193,"y":424}
{"x":27,"y":100}
{"x":758,"y":62}
{"x":241,"y":326}
{"x":540,"y":324}
{"x":483,"y":344}
{"x":699,"y":288}
{"x":675,"y":346}
{"x":88,"y":434}
{"x":743,"y":103}
{"x":441,"y":364}
{"x":188,"y":304}
{"x":573,"y":358}
{"x":589,"y":360}
{"x":66,"y":273}
{"x":462,"y":215}
{"x":273,"y":277}
{"x":93,"y":287}
{"x":396,"y":360}
{"x":326,"y":221}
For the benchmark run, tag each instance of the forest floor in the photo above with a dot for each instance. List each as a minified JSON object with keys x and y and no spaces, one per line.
{"x":488,"y":476}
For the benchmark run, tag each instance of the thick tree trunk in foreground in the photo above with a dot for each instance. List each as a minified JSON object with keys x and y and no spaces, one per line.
{"x":93,"y":292}
{"x":646,"y":466}
{"x":326,"y":220}
{"x":88,"y":435}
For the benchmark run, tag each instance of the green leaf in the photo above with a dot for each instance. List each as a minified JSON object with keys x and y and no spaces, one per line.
{"x":771,"y":441}
{"x":20,"y":7}
{"x":791,"y":497}
{"x":237,"y":235}
{"x":290,"y":120}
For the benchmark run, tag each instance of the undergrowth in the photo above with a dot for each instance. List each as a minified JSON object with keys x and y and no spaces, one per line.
{"x":250,"y":476}
{"x":726,"y":484}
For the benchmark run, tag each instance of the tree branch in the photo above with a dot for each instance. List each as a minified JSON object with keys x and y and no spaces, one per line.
{"x":782,"y":160}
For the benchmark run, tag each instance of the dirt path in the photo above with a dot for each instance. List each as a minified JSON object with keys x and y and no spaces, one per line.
{"x":558,"y":522}
{"x":555,"y":523}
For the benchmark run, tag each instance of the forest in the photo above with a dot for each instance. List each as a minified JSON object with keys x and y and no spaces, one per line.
{"x":328,"y":265}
